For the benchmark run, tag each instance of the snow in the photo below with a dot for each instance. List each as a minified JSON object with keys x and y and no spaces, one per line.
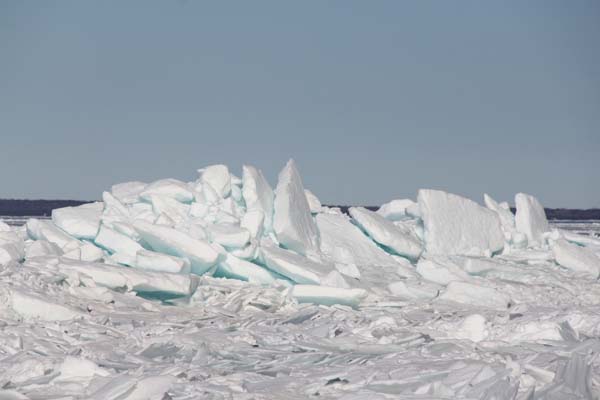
{"x":530,"y":218}
{"x":457,"y":225}
{"x":187,"y":291}
{"x":293,"y":223}
{"x":395,"y":238}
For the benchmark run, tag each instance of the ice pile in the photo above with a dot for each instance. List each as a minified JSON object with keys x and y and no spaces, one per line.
{"x":435,"y":298}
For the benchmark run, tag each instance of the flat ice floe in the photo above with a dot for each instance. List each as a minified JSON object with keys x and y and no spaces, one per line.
{"x":222,"y":288}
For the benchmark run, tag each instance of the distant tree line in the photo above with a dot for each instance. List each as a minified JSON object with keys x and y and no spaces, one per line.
{"x":16,"y":207}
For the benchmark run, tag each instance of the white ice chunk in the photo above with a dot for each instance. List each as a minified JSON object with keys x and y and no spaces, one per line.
{"x":4,"y":227}
{"x":86,"y":251}
{"x":395,"y":238}
{"x":257,"y":194}
{"x":81,"y":222}
{"x":475,"y":295}
{"x":457,"y":225}
{"x":128,"y":192}
{"x":46,"y":230}
{"x":328,"y":295}
{"x":294,"y":266}
{"x":576,"y":258}
{"x":344,"y":243}
{"x":507,"y":219}
{"x":227,"y":235}
{"x":218,"y":177}
{"x":170,"y":241}
{"x":79,"y":369}
{"x":440,"y":273}
{"x":530,"y":218}
{"x":395,"y":210}
{"x":293,"y":222}
{"x":253,"y":221}
{"x":313,"y":202}
{"x":41,"y":248}
{"x":414,"y":290}
{"x":119,"y":278}
{"x":169,"y":188}
{"x":116,"y":242}
{"x":237,"y":268}
{"x":10,"y":253}
{"x":473,"y":328}
{"x":169,"y":207}
{"x":158,"y":262}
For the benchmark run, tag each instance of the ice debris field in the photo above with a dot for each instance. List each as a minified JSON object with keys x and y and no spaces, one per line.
{"x":224,"y":288}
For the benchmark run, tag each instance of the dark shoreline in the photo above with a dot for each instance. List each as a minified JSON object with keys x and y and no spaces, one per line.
{"x":18,"y":207}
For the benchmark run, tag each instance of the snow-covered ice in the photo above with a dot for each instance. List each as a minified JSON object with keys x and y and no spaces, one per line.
{"x":222,"y":288}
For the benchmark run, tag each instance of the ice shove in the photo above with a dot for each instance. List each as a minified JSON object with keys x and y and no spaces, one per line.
{"x":397,"y":239}
{"x":530,"y":218}
{"x":173,"y":242}
{"x":293,"y":222}
{"x":455,"y":225}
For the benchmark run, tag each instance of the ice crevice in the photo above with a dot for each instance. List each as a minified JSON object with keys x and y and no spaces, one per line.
{"x":228,"y":287}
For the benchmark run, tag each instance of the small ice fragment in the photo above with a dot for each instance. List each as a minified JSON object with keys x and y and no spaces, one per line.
{"x":328,"y":295}
{"x":475,"y":295}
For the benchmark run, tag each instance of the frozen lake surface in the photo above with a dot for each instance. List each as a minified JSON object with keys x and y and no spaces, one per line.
{"x":236,"y":340}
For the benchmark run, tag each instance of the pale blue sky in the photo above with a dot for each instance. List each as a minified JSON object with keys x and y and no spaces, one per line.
{"x":374,"y":99}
